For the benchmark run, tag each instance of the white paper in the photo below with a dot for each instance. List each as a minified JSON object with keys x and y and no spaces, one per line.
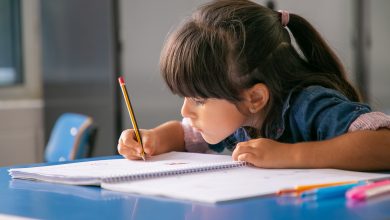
{"x":236,"y":183}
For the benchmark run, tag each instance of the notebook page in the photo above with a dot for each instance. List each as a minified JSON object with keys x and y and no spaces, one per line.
{"x":236,"y":183}
{"x":93,"y":172}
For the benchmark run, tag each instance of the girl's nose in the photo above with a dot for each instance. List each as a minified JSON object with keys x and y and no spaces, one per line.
{"x":186,"y":111}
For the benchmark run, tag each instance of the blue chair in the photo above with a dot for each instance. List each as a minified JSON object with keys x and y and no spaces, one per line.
{"x":71,"y":138}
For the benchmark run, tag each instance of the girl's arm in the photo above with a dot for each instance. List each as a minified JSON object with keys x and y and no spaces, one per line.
{"x":359,"y":150}
{"x":170,"y":137}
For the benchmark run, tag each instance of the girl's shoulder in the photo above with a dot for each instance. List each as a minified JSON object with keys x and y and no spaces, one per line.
{"x":312,"y":96}
{"x":316,"y":91}
{"x":319,"y":113}
{"x":318,"y":99}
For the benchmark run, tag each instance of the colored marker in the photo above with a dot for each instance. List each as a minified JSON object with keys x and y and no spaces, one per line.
{"x":302,"y":188}
{"x":330,"y":192}
{"x":364,"y":192}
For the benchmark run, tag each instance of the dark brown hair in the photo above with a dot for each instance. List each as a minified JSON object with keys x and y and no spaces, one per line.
{"x":230,"y":45}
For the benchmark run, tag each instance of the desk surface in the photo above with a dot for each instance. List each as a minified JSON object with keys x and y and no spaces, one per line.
{"x":55,"y":201}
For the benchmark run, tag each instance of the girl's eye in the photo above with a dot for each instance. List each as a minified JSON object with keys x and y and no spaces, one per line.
{"x":198,"y":101}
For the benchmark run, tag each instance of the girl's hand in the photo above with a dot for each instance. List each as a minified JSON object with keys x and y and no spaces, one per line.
{"x":265,"y":153}
{"x":129,"y":147}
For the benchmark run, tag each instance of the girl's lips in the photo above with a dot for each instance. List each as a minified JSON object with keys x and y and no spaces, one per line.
{"x":196,"y":129}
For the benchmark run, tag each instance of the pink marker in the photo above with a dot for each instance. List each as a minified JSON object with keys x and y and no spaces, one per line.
{"x":364,"y":192}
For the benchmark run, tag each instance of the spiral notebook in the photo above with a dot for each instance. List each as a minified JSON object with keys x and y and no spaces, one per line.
{"x":123,"y":170}
{"x":189,"y":176}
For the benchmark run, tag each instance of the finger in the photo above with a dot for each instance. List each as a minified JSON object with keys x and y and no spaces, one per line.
{"x":132,"y":156}
{"x":121,"y":148}
{"x":242,"y":147}
{"x":247,"y":157}
{"x":127,"y":150}
{"x":148,"y":145}
{"x":128,"y":137}
{"x":128,"y":153}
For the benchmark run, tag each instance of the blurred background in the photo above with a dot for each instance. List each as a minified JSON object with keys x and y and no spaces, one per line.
{"x":60,"y":56}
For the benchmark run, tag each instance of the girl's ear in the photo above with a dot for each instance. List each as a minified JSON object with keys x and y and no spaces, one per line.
{"x":256,"y":97}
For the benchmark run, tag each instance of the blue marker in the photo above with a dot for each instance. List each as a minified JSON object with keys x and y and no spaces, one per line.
{"x":329,"y":192}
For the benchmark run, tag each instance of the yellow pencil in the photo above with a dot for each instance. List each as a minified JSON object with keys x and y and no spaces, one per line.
{"x":131,"y":113}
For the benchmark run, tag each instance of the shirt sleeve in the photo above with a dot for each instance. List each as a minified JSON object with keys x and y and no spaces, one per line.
{"x":320,"y":113}
{"x":193,"y":140}
{"x":370,"y":121}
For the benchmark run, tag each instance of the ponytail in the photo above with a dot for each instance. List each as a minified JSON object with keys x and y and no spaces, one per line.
{"x":228,"y":46}
{"x":319,"y":55}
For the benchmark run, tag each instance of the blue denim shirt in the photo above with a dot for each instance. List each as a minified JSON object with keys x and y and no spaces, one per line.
{"x":312,"y":114}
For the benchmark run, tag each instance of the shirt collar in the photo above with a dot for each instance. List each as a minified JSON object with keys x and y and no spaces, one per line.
{"x":276,"y":130}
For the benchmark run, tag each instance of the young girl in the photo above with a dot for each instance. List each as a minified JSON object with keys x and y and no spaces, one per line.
{"x":265,"y":85}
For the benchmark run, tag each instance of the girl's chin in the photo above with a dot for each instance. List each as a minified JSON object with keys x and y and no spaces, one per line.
{"x":210,"y":140}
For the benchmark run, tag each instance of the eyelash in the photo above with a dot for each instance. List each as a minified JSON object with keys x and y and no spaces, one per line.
{"x":198,"y":101}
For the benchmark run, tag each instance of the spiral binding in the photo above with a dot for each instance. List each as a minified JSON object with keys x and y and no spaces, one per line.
{"x":171,"y":172}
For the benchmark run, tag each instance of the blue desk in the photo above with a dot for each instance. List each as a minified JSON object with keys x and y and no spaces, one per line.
{"x":55,"y":201}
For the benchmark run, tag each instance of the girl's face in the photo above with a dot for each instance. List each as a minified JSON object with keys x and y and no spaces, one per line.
{"x":215,"y":119}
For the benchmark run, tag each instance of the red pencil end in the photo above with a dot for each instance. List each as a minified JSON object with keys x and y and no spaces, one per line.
{"x":121,"y":80}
